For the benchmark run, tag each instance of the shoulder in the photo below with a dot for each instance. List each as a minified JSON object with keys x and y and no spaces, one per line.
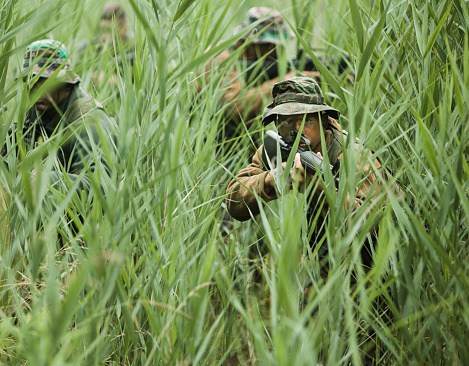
{"x":85,"y":110}
{"x":217,"y":60}
{"x":82,"y":105}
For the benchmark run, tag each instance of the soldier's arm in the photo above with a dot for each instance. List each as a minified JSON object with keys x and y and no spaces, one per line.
{"x":243,"y":104}
{"x":250,"y":183}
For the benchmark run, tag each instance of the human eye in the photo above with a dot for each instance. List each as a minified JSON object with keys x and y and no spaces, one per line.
{"x":283,"y":123}
{"x":309,"y":121}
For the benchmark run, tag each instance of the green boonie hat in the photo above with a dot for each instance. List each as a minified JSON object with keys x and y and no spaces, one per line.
{"x":298,"y":95}
{"x":272,"y":29}
{"x":44,"y":57}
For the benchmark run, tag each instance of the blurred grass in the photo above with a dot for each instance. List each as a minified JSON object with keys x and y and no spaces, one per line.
{"x":146,"y":277}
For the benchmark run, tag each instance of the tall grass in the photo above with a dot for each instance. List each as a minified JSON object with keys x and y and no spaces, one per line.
{"x":142,"y":275}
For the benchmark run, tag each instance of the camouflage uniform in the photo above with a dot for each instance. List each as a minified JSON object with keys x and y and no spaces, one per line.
{"x":298,"y":96}
{"x":76,"y":121}
{"x":73,"y":126}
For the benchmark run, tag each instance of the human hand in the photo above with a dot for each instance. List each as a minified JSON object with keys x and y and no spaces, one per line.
{"x":299,"y":176}
{"x":269,"y":182}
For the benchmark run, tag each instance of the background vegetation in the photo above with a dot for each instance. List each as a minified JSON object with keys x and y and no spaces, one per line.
{"x":143,"y":275}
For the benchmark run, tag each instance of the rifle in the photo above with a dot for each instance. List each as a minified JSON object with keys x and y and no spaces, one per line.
{"x":311,"y":161}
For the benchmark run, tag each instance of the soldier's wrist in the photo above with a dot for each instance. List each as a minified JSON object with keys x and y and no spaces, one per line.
{"x":269,"y":182}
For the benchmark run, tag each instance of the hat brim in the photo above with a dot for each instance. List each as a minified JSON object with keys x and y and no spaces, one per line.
{"x":66,"y":76}
{"x":287,"y":109}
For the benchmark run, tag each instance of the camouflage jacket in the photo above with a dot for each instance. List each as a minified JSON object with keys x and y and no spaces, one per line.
{"x":74,"y":130}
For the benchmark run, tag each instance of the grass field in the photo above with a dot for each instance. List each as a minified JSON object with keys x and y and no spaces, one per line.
{"x":143,"y":275}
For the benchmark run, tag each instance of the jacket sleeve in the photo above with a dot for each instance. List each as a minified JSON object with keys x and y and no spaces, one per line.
{"x":243,"y":103}
{"x":245,"y":189}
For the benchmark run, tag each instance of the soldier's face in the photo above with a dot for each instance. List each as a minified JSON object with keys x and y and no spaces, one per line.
{"x":311,"y":129}
{"x":47,"y":99}
{"x":255,"y":51}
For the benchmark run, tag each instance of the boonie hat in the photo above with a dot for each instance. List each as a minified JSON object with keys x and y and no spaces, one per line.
{"x":44,"y":57}
{"x":298,"y":95}
{"x":112,"y":10}
{"x":271,"y":30}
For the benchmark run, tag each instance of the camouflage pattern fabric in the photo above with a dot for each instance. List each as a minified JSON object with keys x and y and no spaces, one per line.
{"x":46,"y":58}
{"x":298,"y":95}
{"x":271,"y":30}
{"x":113,"y":10}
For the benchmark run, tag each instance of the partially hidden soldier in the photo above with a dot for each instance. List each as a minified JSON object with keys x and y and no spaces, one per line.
{"x":114,"y":14}
{"x":244,"y":97}
{"x":64,"y":112}
{"x":113,"y":29}
{"x":111,"y":12}
{"x":295,"y":102}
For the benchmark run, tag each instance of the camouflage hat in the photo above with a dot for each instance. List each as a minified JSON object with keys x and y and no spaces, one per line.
{"x":298,"y":95}
{"x":113,"y":10}
{"x":271,"y":30}
{"x":45,"y":57}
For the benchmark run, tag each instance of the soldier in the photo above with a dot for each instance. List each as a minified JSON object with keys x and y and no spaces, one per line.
{"x":112,"y":14}
{"x":64,"y":115}
{"x":102,"y":52}
{"x":296,"y":100}
{"x":299,"y":103}
{"x":244,"y":97}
